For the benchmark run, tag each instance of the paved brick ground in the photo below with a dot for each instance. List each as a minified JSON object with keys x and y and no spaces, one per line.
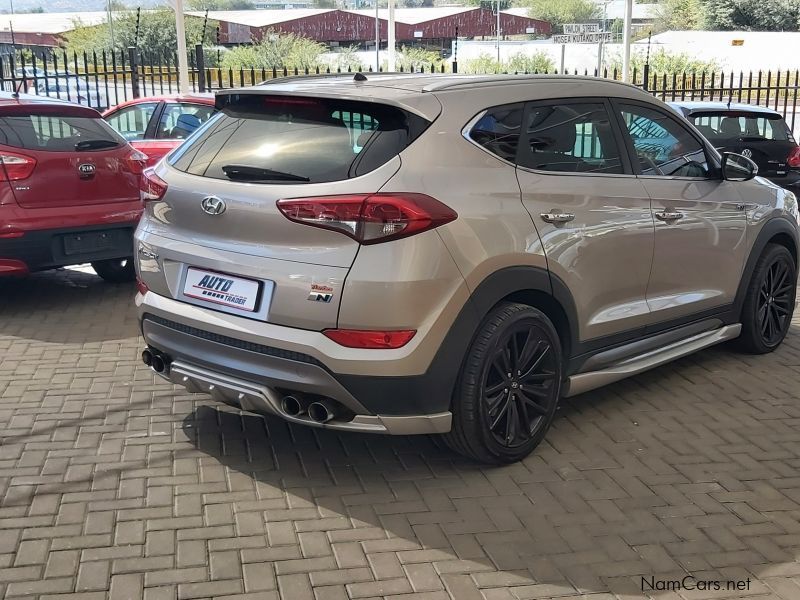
{"x":113,"y":484}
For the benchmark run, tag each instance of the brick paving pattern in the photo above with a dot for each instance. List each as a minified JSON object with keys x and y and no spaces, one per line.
{"x":115,"y":484}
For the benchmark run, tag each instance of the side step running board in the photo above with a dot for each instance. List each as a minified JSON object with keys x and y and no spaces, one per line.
{"x":583,"y":382}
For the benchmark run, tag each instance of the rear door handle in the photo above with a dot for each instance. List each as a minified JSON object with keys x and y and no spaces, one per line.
{"x":669,"y":215}
{"x":552,"y":217}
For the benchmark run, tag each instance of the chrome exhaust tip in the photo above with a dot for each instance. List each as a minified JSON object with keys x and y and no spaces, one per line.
{"x":158,"y":364}
{"x":147,"y":357}
{"x":321,"y":411}
{"x":294,"y":405}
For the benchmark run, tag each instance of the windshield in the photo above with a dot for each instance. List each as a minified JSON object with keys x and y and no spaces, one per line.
{"x":734,"y":125}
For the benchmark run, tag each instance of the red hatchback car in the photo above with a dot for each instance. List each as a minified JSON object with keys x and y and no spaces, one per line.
{"x":157,"y":124}
{"x":69,"y":189}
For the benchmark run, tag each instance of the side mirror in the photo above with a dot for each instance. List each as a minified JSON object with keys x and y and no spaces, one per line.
{"x":736,"y":167}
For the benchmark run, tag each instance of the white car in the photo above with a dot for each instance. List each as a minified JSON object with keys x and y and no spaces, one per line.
{"x":69,"y":88}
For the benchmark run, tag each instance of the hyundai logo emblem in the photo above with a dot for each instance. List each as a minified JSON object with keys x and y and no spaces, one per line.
{"x":213,"y":206}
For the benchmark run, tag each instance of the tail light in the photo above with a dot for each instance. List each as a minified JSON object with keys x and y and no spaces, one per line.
{"x":385,"y":340}
{"x":370,"y":218}
{"x":15,"y":166}
{"x":794,"y":158}
{"x":152,"y":187}
{"x":137,"y":161}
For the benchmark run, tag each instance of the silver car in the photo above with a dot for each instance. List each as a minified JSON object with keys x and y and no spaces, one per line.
{"x":413,"y":254}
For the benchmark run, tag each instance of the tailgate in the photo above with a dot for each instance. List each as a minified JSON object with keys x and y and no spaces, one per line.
{"x":77,"y":159}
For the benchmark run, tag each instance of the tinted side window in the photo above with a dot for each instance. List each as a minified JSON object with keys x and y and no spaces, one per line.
{"x":498,"y":131}
{"x":662,"y":145}
{"x":570,"y":137}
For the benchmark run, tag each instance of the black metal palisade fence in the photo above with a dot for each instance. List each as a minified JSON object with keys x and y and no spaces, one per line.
{"x":105,"y":79}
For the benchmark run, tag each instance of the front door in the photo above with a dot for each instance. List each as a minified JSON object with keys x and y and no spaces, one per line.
{"x":593,"y":215}
{"x":700,"y":219}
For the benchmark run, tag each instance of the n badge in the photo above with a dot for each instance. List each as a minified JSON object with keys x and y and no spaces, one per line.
{"x":320,"y":293}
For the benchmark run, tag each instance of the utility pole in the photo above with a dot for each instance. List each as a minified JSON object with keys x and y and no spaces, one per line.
{"x":110,"y":23}
{"x":11,"y":27}
{"x":498,"y":32}
{"x":390,"y":39}
{"x":626,"y":42}
{"x":183,"y":63}
{"x":377,"y":39}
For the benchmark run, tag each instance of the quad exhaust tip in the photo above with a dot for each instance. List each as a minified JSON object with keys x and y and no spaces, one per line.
{"x":295,"y":405}
{"x":155,"y":360}
{"x":322,"y":411}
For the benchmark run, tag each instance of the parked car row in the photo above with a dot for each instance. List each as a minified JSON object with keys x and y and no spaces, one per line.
{"x":410,"y":254}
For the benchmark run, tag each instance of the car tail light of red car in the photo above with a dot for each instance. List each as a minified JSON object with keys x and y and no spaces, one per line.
{"x":152,"y":187}
{"x":370,"y":218}
{"x":794,"y":158}
{"x":15,"y":166}
{"x":137,"y":161}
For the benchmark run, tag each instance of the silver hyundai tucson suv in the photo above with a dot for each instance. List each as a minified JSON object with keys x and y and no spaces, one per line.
{"x":412,"y":254}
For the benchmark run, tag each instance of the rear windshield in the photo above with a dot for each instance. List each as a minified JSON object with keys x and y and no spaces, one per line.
{"x":730,"y":125}
{"x":270,"y":139}
{"x":55,"y":133}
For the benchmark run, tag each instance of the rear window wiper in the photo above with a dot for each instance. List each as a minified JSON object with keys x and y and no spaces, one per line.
{"x":245,"y":173}
{"x":96,"y":144}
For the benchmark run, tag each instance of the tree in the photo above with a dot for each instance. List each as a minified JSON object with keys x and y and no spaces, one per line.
{"x":538,"y":62}
{"x":679,"y":15}
{"x":276,"y":51}
{"x":559,"y":12}
{"x":157,"y":35}
{"x":662,"y":61}
{"x":756,"y":15}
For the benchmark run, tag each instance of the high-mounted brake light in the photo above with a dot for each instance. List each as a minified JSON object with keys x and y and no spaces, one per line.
{"x":793,"y":160}
{"x":377,"y":340}
{"x":152,"y":187}
{"x":15,"y":166}
{"x":370,"y":218}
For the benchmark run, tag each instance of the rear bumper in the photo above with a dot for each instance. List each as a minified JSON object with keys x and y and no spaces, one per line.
{"x":45,"y":249}
{"x":256,"y":375}
{"x":791,"y":180}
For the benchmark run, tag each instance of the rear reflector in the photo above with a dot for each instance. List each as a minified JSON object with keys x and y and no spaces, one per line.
{"x":152,"y":187}
{"x":15,"y":166}
{"x":370,"y":218}
{"x":141,"y":286}
{"x":794,"y":158}
{"x":354,"y":338}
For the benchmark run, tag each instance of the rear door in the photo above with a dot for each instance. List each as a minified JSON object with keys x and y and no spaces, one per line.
{"x":79,"y":159}
{"x":593,"y":215}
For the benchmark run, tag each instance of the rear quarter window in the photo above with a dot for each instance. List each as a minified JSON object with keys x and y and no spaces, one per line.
{"x":268,"y":139}
{"x":55,"y":133}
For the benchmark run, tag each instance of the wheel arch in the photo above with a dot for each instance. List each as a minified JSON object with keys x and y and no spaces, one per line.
{"x":779,"y":230}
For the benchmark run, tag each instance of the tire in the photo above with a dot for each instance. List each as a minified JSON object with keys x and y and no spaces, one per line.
{"x":769,"y":301}
{"x":523,"y":338}
{"x":117,"y":270}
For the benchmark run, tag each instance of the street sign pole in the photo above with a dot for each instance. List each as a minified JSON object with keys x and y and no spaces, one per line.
{"x":390,"y":39}
{"x":183,"y":63}
{"x":626,"y":42}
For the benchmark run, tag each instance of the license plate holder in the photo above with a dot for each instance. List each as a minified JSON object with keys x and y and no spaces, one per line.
{"x":224,"y":290}
{"x":92,"y":242}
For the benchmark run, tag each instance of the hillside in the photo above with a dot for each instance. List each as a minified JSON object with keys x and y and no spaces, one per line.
{"x":71,"y":5}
